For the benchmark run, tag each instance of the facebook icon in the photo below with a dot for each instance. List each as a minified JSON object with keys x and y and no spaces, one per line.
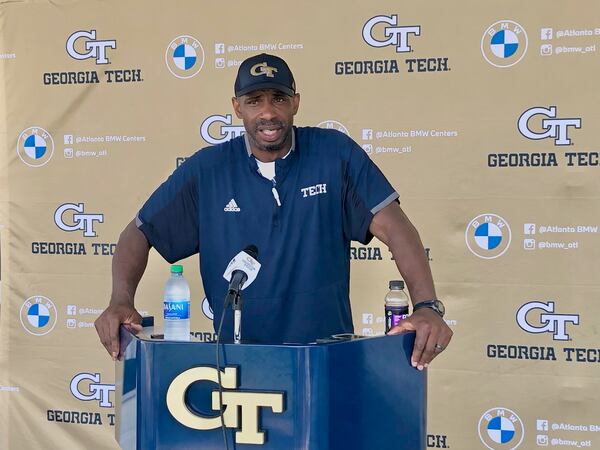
{"x":546,"y":34}
{"x":529,"y":228}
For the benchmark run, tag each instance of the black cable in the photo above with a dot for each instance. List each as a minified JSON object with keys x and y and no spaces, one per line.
{"x":225,"y":305}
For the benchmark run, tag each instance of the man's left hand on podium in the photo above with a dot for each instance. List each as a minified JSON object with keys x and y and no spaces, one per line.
{"x":433,"y":335}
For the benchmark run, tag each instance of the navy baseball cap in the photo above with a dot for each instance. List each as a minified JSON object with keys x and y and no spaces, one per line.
{"x":264,"y":72}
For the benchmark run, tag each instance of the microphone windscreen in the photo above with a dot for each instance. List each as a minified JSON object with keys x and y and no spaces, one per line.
{"x":252,"y":251}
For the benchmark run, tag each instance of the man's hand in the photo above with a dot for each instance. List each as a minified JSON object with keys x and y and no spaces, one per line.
{"x":391,"y":226}
{"x":109,"y":322}
{"x":128,"y":265}
{"x":433,"y":335}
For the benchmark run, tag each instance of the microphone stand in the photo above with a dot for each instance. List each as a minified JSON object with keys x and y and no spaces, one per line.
{"x":235,"y":299}
{"x":237,"y":318}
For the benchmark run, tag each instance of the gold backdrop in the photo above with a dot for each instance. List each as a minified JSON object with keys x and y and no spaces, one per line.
{"x":483,"y":115}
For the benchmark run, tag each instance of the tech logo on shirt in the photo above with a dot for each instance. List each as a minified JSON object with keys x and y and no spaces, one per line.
{"x":38,"y":315}
{"x":316,"y":189}
{"x":488,"y":236}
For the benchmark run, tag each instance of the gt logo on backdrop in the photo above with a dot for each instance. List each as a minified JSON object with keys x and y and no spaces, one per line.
{"x":504,"y":43}
{"x":38,"y":315}
{"x":501,"y":429}
{"x":550,"y":323}
{"x":35,"y":146}
{"x":392,"y":33}
{"x":225,"y":129}
{"x":184,"y":56}
{"x":246,"y":404}
{"x":79,"y":220}
{"x":383,"y":31}
{"x":557,"y":129}
{"x":488,"y":236}
{"x":93,"y":48}
{"x":87,"y":387}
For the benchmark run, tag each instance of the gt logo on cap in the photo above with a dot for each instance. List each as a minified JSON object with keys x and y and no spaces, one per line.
{"x":263,"y":69}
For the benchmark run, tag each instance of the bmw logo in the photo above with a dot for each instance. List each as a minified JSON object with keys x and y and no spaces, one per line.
{"x":488,"y":236}
{"x":334,"y":125}
{"x":184,"y":56}
{"x":501,"y":429}
{"x":35,"y":146}
{"x":504,"y":43}
{"x":38,"y":315}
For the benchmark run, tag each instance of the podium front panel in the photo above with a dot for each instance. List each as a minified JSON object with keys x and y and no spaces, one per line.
{"x":315,"y":397}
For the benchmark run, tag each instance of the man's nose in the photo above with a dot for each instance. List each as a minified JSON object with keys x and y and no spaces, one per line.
{"x":267,"y":111}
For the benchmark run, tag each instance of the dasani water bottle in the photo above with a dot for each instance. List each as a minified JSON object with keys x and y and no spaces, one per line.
{"x":177,"y":306}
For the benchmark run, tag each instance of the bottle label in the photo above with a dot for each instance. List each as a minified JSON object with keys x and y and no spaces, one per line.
{"x":393,"y":315}
{"x":396,"y":318}
{"x":177,"y":310}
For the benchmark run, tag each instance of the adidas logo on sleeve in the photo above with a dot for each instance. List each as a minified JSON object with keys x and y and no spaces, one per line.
{"x":231,"y":207}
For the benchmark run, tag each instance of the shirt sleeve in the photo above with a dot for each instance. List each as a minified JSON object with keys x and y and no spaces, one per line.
{"x":169,"y":218}
{"x":366,"y":192}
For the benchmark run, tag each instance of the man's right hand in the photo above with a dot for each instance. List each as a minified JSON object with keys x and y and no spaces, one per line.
{"x":109,"y":322}
{"x":128,"y":265}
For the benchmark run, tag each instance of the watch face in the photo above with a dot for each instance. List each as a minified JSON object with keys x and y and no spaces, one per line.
{"x":436,"y":305}
{"x":440,"y":307}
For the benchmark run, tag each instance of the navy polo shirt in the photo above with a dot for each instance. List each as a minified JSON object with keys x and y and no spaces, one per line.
{"x":217,"y":203}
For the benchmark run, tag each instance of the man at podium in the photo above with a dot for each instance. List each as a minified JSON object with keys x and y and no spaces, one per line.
{"x":301,"y":195}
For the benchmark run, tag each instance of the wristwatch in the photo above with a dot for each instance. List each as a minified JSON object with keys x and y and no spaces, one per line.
{"x":436,"y":305}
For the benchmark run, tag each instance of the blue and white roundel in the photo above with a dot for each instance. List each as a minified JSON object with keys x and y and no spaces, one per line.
{"x":35,"y":146}
{"x":184,"y":56}
{"x":501,"y":430}
{"x":38,"y":315}
{"x":504,"y":44}
{"x":488,"y":236}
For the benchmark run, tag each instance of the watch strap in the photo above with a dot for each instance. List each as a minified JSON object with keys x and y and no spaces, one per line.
{"x":431,"y":304}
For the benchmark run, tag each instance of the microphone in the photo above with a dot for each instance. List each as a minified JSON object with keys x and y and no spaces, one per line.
{"x":241,"y":272}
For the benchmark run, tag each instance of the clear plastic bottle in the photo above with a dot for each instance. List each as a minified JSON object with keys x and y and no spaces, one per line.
{"x":396,"y":304}
{"x":177,"y":306}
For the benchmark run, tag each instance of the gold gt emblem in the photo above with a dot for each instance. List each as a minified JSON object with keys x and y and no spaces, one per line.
{"x":263,"y":69}
{"x":244,"y":405}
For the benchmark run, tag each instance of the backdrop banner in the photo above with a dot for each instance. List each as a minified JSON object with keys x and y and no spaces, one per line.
{"x":483,"y":115}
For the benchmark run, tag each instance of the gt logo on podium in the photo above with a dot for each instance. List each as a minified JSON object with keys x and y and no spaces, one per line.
{"x":248,"y":403}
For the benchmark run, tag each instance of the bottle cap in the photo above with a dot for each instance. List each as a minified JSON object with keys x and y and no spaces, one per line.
{"x":176,"y":268}
{"x":396,"y":284}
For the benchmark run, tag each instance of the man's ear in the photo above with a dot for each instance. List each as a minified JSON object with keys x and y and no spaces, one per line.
{"x":296,"y":102}
{"x":236,"y":107}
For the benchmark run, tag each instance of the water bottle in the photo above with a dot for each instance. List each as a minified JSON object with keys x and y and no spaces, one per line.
{"x":396,"y":304}
{"x":177,"y":306}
